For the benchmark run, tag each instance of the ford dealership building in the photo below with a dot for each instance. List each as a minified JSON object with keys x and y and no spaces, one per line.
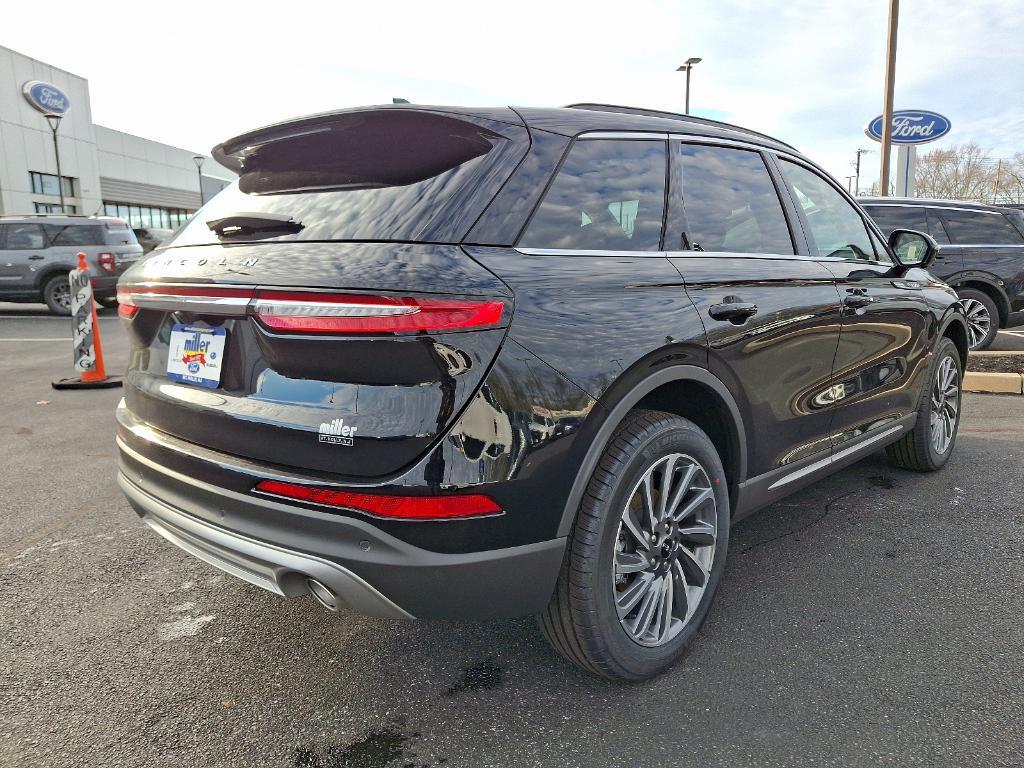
{"x":102,"y":170}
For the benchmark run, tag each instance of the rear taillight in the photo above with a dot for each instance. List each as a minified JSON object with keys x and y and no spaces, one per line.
{"x":107,"y":261}
{"x":126,"y":308}
{"x":391,"y":507}
{"x":321,"y":313}
{"x":295,"y":312}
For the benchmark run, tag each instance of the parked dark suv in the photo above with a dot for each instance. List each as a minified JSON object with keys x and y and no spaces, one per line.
{"x":442,"y":362}
{"x":981,"y":255}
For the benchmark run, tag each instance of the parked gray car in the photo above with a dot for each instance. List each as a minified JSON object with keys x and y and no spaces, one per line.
{"x":38,"y":251}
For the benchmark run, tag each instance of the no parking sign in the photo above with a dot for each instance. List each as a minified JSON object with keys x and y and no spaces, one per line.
{"x":85,"y":335}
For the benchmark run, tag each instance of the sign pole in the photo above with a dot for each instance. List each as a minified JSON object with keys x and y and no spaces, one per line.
{"x":890,"y":84}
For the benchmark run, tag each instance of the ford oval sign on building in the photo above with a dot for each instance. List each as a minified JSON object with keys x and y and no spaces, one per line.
{"x":911,"y":126}
{"x":46,"y":97}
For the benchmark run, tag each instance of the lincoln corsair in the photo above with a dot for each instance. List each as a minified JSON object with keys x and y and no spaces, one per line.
{"x":438,"y":362}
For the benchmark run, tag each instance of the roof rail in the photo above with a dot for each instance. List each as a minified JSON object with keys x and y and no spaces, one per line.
{"x":675,"y":115}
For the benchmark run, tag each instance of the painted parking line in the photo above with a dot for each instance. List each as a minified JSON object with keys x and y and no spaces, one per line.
{"x":1018,"y":334}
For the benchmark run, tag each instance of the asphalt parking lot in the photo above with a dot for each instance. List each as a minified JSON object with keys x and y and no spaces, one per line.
{"x":872,"y":619}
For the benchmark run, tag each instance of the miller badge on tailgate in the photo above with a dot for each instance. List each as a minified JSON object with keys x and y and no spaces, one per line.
{"x":195,"y":355}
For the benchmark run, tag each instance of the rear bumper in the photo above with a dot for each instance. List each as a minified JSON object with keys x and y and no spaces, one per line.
{"x":280,"y":547}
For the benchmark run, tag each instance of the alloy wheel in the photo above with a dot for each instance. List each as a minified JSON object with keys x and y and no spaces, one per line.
{"x":664,"y":550}
{"x":979,"y":321}
{"x":945,"y":405}
{"x":62,"y":295}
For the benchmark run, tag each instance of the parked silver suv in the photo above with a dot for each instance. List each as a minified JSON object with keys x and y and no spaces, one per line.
{"x":37,"y":251}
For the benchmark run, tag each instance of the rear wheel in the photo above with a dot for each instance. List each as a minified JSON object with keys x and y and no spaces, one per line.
{"x":929,"y":445}
{"x":57,"y":294}
{"x":982,"y":318}
{"x":646,"y":553}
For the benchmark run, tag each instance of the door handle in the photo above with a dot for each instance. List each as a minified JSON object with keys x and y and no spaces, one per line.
{"x":858,"y":300}
{"x":733,"y":310}
{"x":35,"y":257}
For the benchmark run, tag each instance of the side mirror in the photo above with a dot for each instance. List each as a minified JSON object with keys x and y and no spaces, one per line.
{"x":913,"y":248}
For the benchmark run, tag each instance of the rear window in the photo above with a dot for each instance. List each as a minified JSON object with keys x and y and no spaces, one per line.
{"x":75,"y":234}
{"x":890,"y":217}
{"x":608,"y":195}
{"x":731,"y":203}
{"x":979,"y":228}
{"x":371,"y":175}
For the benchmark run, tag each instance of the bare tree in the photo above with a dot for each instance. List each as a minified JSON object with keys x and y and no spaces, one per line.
{"x":962,"y":172}
{"x":1010,"y":173}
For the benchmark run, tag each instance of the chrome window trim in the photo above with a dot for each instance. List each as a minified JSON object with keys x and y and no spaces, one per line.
{"x":930,"y":207}
{"x":583,"y":252}
{"x":651,"y":136}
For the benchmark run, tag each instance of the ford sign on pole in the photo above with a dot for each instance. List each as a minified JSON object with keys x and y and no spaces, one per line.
{"x":46,"y":97}
{"x":911,"y":126}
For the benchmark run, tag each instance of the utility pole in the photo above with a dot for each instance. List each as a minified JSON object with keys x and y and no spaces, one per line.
{"x":890,"y":84}
{"x":856,"y":189}
{"x":686,"y":66}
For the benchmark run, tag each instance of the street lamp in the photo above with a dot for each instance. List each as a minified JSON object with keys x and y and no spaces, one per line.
{"x":199,"y":160}
{"x":686,"y":66}
{"x":54,"y":121}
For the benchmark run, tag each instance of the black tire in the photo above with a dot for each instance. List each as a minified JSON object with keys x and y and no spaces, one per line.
{"x":57,"y":294}
{"x":987,"y":311}
{"x":581,"y":621}
{"x":916,"y":450}
{"x":108,"y":302}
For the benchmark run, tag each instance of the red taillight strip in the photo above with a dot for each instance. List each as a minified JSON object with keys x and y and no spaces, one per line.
{"x":391,"y":507}
{"x":320,"y":313}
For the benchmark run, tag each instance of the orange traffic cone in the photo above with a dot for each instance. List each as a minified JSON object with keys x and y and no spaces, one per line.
{"x":88,"y":351}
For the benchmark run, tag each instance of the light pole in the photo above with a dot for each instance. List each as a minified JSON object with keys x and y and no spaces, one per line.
{"x":54,"y":121}
{"x":199,"y":160}
{"x":849,"y":184}
{"x":686,"y":66}
{"x":890,"y":82}
{"x":856,"y":165}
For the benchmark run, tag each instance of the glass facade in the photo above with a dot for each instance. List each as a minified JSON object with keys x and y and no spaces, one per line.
{"x":46,"y":184}
{"x":147,"y":215}
{"x":54,"y":208}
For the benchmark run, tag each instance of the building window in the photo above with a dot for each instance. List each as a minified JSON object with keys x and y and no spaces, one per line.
{"x":46,"y":184}
{"x":147,"y":215}
{"x":54,"y":208}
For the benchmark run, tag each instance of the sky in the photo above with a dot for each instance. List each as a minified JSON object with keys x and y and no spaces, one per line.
{"x":810,"y":72}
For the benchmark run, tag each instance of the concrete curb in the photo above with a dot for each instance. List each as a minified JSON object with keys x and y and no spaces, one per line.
{"x":1001,"y":383}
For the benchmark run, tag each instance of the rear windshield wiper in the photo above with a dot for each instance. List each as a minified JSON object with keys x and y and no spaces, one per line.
{"x":246,"y":224}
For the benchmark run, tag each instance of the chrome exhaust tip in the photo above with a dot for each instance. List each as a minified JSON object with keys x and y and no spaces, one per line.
{"x":322,"y":594}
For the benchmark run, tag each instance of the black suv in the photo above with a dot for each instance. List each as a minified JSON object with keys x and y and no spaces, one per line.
{"x":980,"y":254}
{"x":441,"y":362}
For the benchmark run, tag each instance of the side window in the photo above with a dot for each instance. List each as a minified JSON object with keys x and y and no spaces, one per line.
{"x":890,"y":217}
{"x":23,"y":237}
{"x":836,"y":228}
{"x":935,"y":228}
{"x":609,"y":195}
{"x":75,"y":234}
{"x":731,"y":203}
{"x":979,"y":228}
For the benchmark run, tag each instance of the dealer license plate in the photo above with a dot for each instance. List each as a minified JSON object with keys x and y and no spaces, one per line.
{"x":196,"y":355}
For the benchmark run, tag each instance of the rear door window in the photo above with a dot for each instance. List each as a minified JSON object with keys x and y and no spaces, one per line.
{"x":731,"y":203}
{"x":979,"y":228}
{"x":890,"y":217}
{"x":608,"y":195}
{"x":75,"y":234}
{"x":836,"y":229}
{"x":23,"y":237}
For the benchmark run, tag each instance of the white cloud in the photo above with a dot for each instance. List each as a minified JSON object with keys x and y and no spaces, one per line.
{"x":808,"y":71}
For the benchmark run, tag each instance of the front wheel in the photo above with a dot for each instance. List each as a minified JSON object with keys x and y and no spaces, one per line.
{"x":982,"y":318}
{"x":646,"y":553}
{"x":928,"y":446}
